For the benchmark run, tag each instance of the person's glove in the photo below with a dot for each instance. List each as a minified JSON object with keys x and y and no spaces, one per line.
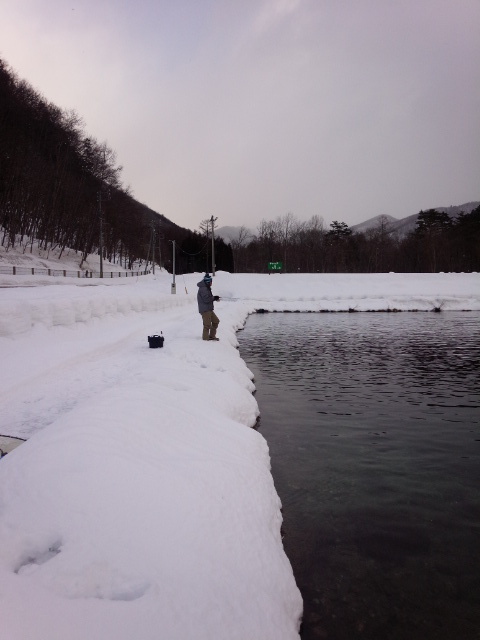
{"x":216,"y":298}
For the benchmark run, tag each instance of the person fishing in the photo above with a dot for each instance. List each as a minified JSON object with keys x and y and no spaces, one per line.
{"x":205,"y":300}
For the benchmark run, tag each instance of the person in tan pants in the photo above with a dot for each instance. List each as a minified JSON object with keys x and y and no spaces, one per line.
{"x":205,"y":300}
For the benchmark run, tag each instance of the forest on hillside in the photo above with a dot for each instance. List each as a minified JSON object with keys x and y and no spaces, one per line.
{"x":437,"y":243}
{"x":62,"y":188}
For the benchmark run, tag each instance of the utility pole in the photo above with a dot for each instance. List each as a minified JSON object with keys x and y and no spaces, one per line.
{"x":206,"y":229}
{"x":100,"y":214}
{"x":153,"y":248}
{"x":106,"y":196}
{"x":160,"y":238}
{"x":174,"y":290}
{"x":213,"y":220}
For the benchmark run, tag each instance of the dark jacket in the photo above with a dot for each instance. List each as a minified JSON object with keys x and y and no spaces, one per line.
{"x":204,"y":297}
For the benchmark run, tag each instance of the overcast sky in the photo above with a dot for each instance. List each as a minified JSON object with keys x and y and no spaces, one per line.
{"x":250,"y":109}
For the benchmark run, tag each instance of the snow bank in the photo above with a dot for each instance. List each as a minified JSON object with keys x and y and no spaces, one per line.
{"x":141,"y":499}
{"x":24,"y":308}
{"x":359,"y":292}
{"x":28,"y":305}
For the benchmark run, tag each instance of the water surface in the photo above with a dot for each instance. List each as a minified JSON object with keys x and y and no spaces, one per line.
{"x":374,"y":432}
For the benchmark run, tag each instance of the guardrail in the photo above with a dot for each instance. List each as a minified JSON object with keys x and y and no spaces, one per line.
{"x":35,"y":271}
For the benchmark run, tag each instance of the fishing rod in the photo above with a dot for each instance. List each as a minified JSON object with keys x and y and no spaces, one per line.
{"x":229,"y":299}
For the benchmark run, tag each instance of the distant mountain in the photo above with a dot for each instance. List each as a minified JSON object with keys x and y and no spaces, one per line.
{"x":405,"y":225}
{"x":453,"y":211}
{"x":231,"y":233}
{"x":401,"y":226}
{"x":371,"y":223}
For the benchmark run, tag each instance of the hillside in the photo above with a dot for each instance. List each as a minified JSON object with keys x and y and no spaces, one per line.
{"x":62,"y":188}
{"x":34,"y":257}
{"x":371,"y":223}
{"x":403,"y":226}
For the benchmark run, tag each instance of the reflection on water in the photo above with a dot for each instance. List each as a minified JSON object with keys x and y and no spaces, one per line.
{"x":373,"y":425}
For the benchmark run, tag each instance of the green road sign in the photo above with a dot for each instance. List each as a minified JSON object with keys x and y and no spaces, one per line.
{"x":275,"y":266}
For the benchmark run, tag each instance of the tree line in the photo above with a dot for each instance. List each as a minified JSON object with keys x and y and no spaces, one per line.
{"x":62,"y":188}
{"x":438,"y":243}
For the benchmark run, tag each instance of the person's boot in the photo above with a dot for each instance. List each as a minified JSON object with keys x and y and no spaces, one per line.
{"x":216,"y":339}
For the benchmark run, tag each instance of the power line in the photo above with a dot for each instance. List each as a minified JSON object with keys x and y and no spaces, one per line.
{"x":194,"y":254}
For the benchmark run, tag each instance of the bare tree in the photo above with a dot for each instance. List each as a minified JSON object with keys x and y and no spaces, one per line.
{"x":238,"y":244}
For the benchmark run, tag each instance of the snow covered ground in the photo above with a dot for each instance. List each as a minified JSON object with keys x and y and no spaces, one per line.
{"x":142,"y":504}
{"x":27,"y":255}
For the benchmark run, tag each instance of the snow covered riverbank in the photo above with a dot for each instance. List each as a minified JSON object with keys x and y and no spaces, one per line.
{"x":142,"y":504}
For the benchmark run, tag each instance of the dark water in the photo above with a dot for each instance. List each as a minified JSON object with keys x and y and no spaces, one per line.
{"x":373,"y":424}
